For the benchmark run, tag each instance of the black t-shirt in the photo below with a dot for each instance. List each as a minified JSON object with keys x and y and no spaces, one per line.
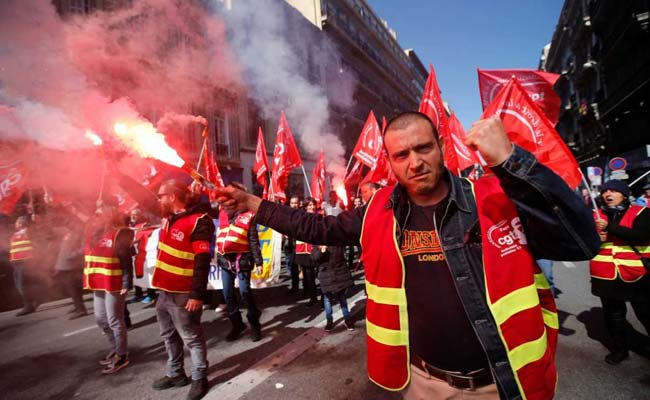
{"x":440,"y":331}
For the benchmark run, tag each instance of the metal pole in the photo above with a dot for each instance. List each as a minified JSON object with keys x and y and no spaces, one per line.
{"x":306,"y":180}
{"x":639,"y":178}
{"x":593,"y":202}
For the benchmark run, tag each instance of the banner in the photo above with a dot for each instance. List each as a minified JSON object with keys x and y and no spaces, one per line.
{"x":369,"y":144}
{"x":13,"y":182}
{"x":538,"y":85}
{"x":270,"y":244}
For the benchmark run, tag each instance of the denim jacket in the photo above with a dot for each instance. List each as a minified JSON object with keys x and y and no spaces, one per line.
{"x":556,"y":223}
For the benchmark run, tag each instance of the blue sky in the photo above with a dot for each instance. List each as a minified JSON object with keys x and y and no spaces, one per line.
{"x":457,"y":36}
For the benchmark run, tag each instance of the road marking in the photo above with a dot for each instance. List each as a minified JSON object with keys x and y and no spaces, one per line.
{"x":258,"y":373}
{"x":82,"y":330}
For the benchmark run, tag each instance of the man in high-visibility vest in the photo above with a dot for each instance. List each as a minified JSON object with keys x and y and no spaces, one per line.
{"x":21,"y":256}
{"x":181,"y":275}
{"x":108,"y":272}
{"x":456,"y":305}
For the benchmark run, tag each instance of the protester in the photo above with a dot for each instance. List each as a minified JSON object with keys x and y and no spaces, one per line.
{"x":335,"y":278}
{"x":70,"y":262}
{"x":619,"y":273}
{"x":367,"y":190}
{"x":290,"y":253}
{"x":332,"y":207}
{"x":108,"y":272}
{"x":547,"y":268}
{"x":644,"y":199}
{"x":305,"y":261}
{"x":21,"y":257}
{"x":438,"y":298}
{"x":181,"y":275}
{"x":137,"y":220}
{"x":238,"y":249}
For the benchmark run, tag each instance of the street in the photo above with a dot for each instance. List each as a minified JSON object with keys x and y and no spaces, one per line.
{"x":45,"y":356}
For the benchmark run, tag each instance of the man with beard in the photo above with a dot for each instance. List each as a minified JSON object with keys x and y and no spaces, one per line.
{"x":181,"y":275}
{"x":456,"y":305}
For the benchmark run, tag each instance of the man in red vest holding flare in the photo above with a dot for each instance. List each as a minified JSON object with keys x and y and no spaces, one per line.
{"x":456,"y":304}
{"x":181,"y":274}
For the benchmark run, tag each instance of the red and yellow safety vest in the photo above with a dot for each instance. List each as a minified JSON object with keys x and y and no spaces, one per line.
{"x":616,"y":257}
{"x":518,"y":295}
{"x":102,"y":270}
{"x":233,"y":238}
{"x":175,"y":262}
{"x":20,"y":247}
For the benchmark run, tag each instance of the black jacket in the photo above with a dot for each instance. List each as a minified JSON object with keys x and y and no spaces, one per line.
{"x":333,"y":272}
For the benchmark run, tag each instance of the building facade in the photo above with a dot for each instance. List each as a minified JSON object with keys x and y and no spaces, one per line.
{"x":601,"y":49}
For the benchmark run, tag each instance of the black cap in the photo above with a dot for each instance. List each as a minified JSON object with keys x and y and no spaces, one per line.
{"x":616,"y":185}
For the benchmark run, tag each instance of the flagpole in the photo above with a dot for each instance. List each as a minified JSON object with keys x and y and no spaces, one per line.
{"x":306,"y":180}
{"x":198,"y":164}
{"x":593,"y":202}
{"x":639,"y":178}
{"x":349,"y":162}
{"x":103,"y":179}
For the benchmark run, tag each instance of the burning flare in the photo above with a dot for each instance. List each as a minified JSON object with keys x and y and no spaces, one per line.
{"x":343,"y":195}
{"x":92,"y":136}
{"x":142,"y":137}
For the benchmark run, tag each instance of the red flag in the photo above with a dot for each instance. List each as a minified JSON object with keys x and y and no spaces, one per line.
{"x":368,"y":146}
{"x":13,"y":182}
{"x":527,"y":127}
{"x":383,"y":123}
{"x":457,"y":155}
{"x":261,"y":166}
{"x":354,"y":176}
{"x":285,"y":158}
{"x":212,"y":173}
{"x":382,"y":174}
{"x":431,"y":104}
{"x":318,"y":179}
{"x":537,"y":84}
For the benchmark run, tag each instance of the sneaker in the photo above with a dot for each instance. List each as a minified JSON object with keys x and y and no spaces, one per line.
{"x":108,"y":359}
{"x":349,"y":324}
{"x":147,"y":300}
{"x":616,"y":357}
{"x":329,"y":326}
{"x":118,"y":363}
{"x":220,"y":308}
{"x":167,"y":382}
{"x":256,"y":332}
{"x":198,"y":390}
{"x":235,"y":331}
{"x":78,"y":314}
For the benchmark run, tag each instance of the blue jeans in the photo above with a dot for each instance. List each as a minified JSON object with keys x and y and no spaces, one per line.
{"x":329,"y":298}
{"x":547,"y":268}
{"x":228,"y":278}
{"x":25,"y":282}
{"x":109,"y":315}
{"x":177,"y":325}
{"x":292,"y":270}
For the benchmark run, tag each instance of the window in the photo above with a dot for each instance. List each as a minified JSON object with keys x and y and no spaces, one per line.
{"x":222,"y":135}
{"x":79,"y":6}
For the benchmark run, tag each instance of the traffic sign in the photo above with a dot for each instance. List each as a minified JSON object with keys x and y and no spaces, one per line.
{"x":617,"y":163}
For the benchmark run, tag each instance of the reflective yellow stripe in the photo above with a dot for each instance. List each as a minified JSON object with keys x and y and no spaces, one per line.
{"x":606,"y":245}
{"x":237,"y":229}
{"x":541,"y":282}
{"x":602,"y":258}
{"x":383,"y":295}
{"x":102,"y":271}
{"x":514,"y":302}
{"x":19,"y":249}
{"x":527,"y":353}
{"x":21,"y":242}
{"x":176,"y":253}
{"x":629,"y":263}
{"x":550,"y":319}
{"x":174,"y":270}
{"x":389,"y":337}
{"x":103,"y":260}
{"x":235,"y":239}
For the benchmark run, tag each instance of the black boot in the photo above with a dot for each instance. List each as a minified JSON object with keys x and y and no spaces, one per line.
{"x":237,"y":328}
{"x":256,"y":332}
{"x":617,"y":328}
{"x":198,"y":390}
{"x":616,"y":357}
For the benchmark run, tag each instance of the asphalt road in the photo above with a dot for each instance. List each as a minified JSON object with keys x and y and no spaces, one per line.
{"x":45,"y":356}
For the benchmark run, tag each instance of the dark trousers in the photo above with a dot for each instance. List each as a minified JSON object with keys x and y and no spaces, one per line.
{"x":25,"y":281}
{"x":228,"y":279}
{"x":72,"y":283}
{"x":292,"y":270}
{"x":309,"y":282}
{"x":615,"y":311}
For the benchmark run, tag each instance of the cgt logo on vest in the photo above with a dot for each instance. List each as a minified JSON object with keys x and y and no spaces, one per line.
{"x":507,"y":236}
{"x":177,"y":235}
{"x":105,"y":243}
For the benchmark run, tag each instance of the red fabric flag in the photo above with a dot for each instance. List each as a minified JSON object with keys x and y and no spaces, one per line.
{"x":212,"y":173}
{"x":527,"y":127}
{"x":537,"y":84}
{"x":457,"y":155}
{"x":13,"y":182}
{"x":261,"y":166}
{"x":431,"y":104}
{"x":318,"y":179}
{"x":354,"y":176}
{"x":285,"y":158}
{"x":382,"y":174}
{"x":368,"y":146}
{"x":383,"y":123}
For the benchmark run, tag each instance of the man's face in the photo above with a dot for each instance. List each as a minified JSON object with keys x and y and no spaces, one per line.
{"x":293,"y":202}
{"x":612,"y":198}
{"x":311,"y":207}
{"x":367,"y":192}
{"x":415,"y":157}
{"x":647,"y":192}
{"x":166,"y":199}
{"x":357,"y":202}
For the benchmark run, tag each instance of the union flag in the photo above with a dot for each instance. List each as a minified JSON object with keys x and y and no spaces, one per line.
{"x":285,"y":158}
